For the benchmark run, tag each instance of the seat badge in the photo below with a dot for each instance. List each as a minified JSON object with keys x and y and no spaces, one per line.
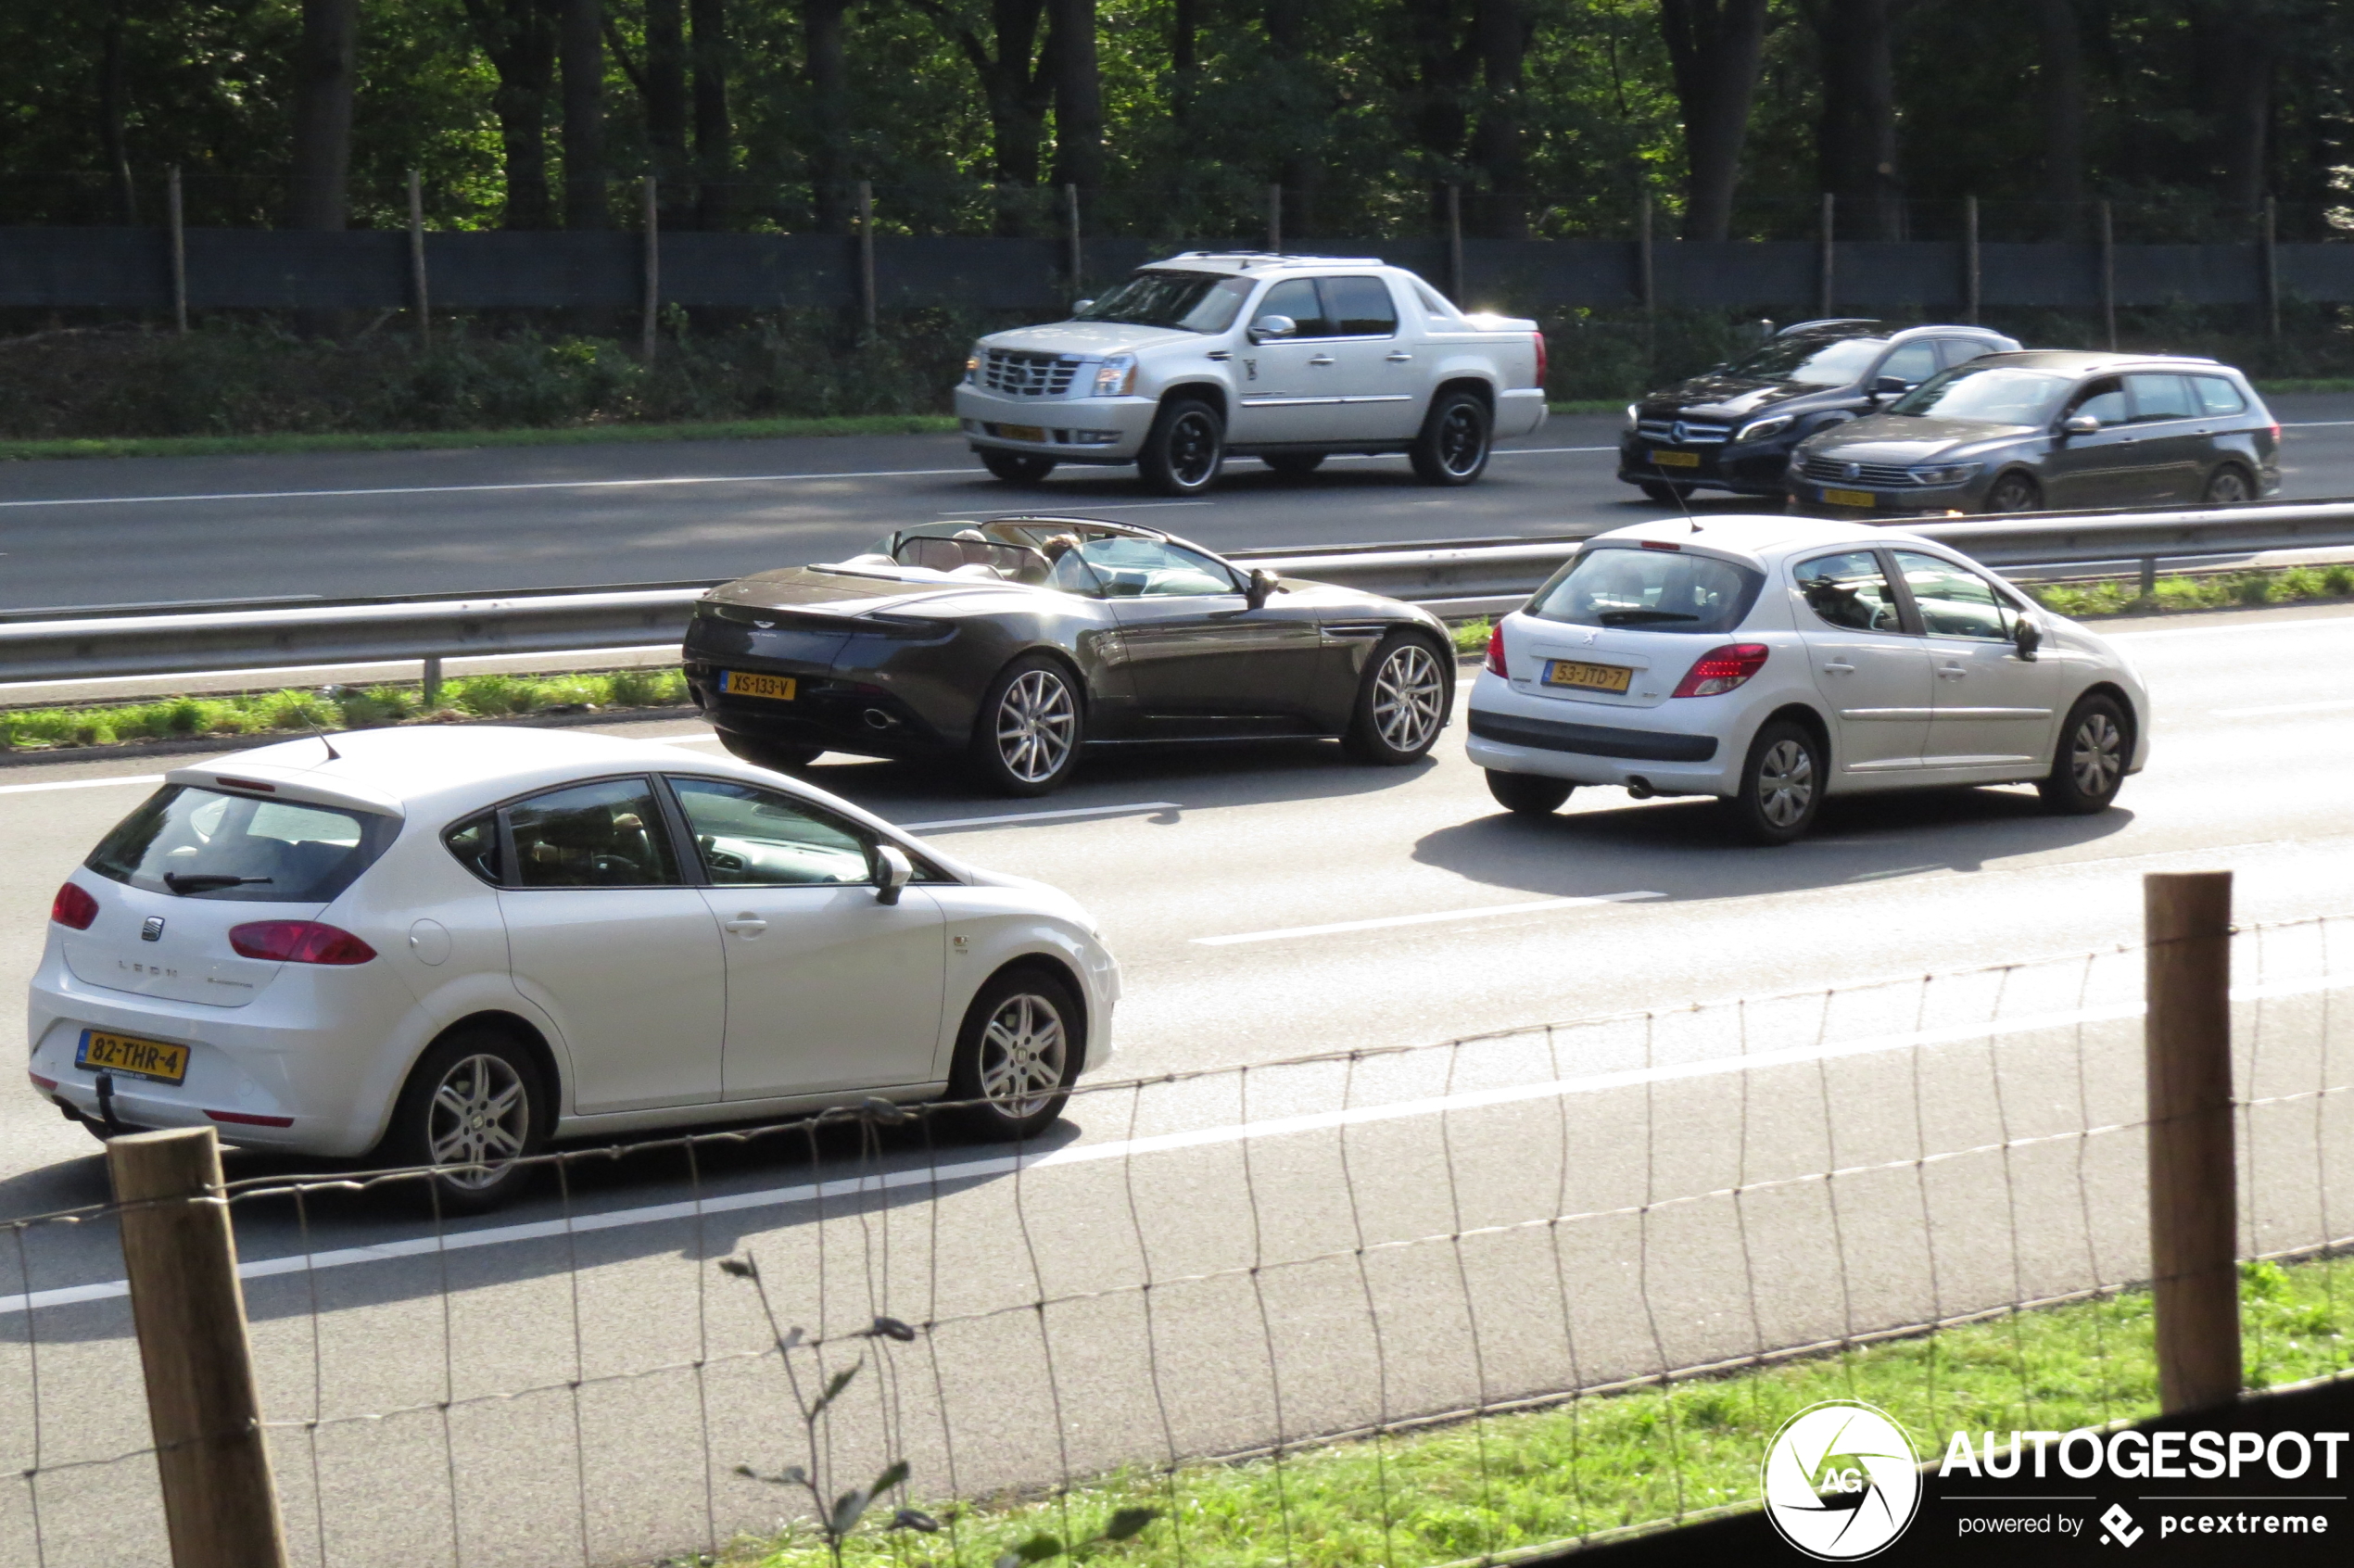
{"x":151,"y":929}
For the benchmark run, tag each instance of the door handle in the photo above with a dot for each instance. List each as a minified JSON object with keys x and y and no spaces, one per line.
{"x":1835,"y":667}
{"x":1398,"y":356}
{"x":1951,"y":672}
{"x":1320,"y":359}
{"x":745,"y":925}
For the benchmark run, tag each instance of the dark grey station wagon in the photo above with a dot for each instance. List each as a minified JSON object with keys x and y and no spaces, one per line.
{"x":2047,"y":429}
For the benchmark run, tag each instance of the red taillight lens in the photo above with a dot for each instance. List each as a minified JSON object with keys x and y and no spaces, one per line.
{"x":1541,"y":361}
{"x":1496,"y":649}
{"x":1721,"y":669}
{"x":299,"y":942}
{"x":73,"y":907}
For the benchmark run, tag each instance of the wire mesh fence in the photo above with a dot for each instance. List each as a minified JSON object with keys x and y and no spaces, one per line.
{"x":1408,"y":1305}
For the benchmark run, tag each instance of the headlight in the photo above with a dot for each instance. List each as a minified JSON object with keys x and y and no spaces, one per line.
{"x":1944,"y":474}
{"x":1115,"y":377}
{"x":972,"y":364}
{"x":1630,"y":416}
{"x":1758,"y":429}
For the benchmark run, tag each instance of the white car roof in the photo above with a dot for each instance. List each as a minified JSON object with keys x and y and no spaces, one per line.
{"x":1758,"y":539}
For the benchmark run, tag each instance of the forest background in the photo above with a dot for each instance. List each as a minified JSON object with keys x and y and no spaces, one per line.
{"x":1171,"y":118}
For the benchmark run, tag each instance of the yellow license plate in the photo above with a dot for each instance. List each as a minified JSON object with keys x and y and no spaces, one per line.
{"x":128,"y":1054}
{"x":1674,"y":460}
{"x":1021,"y":433}
{"x":1593,"y":677}
{"x":750,"y":683}
{"x":1851,"y":497}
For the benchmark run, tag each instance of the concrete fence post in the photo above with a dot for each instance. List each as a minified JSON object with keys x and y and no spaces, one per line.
{"x":2193,"y":1177}
{"x":219,"y":1504}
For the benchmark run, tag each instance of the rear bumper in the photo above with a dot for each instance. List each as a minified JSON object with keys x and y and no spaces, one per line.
{"x":1068,"y":429}
{"x":835,"y":716}
{"x":1512,"y":733}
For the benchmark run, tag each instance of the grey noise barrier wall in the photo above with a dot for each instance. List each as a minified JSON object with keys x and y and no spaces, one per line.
{"x":269,"y":269}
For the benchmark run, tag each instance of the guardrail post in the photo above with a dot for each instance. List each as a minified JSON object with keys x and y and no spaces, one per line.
{"x":2193,"y":1177}
{"x":432,"y":683}
{"x":179,"y":252}
{"x":219,"y":1505}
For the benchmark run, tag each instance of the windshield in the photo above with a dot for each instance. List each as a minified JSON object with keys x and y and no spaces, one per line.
{"x":1810,"y":361}
{"x":1196,"y":301}
{"x":1655,"y":590}
{"x":201,"y":843}
{"x":1088,"y":559}
{"x":1990,"y":394}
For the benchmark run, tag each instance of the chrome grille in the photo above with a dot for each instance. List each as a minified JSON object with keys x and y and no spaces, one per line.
{"x":1685,"y":432}
{"x":1018,"y":374}
{"x":1833,"y":471}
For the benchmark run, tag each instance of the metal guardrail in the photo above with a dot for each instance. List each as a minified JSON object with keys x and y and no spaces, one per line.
{"x":1470,"y":577}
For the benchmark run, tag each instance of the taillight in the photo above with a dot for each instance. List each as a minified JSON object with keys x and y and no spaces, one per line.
{"x":1721,"y":669}
{"x":1496,"y":650}
{"x":1541,"y":361}
{"x":73,"y":907}
{"x":299,"y":942}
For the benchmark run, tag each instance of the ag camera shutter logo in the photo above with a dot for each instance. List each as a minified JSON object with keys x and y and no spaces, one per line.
{"x":1841,"y":1481}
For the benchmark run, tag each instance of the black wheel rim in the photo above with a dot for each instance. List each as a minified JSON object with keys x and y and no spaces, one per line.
{"x":2227,"y":488}
{"x":1193,"y":449}
{"x":1461,"y":440}
{"x":2011,"y":495}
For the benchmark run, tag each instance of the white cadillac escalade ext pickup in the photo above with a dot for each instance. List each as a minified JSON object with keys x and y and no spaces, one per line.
{"x":1283,"y":358}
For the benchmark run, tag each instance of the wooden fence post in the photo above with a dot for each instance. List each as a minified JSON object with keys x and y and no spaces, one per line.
{"x":417,"y":259}
{"x":1276,"y":220}
{"x":866,"y":302}
{"x":219,"y":1504}
{"x":1455,"y":244}
{"x":2194,"y":1211}
{"x":650,"y":315}
{"x":2109,"y":275}
{"x":1824,"y":284}
{"x":179,"y":252}
{"x":1070,"y":202}
{"x":1970,"y":289}
{"x":2271,"y":267}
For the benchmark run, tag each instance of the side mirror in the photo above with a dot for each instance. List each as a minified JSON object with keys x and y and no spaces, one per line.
{"x":1266,"y":327}
{"x":1079,"y":306}
{"x":893,"y":871}
{"x":1889,"y":386}
{"x":1261,"y":584}
{"x":2079,"y":424}
{"x":2028,"y":636}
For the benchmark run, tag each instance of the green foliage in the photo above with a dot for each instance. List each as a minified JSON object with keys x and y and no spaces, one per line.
{"x":2221,"y":591}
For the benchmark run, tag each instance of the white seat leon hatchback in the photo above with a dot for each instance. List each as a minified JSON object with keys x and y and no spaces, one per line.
{"x":1774,"y":662}
{"x":447,"y":946}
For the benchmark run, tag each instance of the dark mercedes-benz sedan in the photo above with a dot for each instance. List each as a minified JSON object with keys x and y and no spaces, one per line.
{"x":1015,"y":644}
{"x":1732,"y":427}
{"x":2048,"y":429}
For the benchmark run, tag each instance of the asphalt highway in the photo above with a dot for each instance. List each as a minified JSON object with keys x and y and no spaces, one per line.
{"x":1267,"y":904}
{"x":167,"y":531}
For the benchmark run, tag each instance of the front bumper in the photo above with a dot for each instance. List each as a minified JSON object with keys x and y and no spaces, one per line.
{"x":1511,"y":732}
{"x":1812,"y":498}
{"x":1066,"y":429}
{"x":1752,"y":468}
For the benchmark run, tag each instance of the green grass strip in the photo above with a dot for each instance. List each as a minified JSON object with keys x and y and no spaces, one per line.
{"x":430,"y":440}
{"x":2217,"y":590}
{"x":294,"y":710}
{"x":1608,"y":1463}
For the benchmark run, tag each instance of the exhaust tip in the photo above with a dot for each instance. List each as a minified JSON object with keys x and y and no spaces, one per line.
{"x":1640,"y":788}
{"x":877,"y":719}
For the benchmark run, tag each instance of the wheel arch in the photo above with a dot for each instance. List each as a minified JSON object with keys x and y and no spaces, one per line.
{"x":516,"y":1028}
{"x":2124,"y":701}
{"x":1057,"y":968}
{"x":1209,"y":392}
{"x":1804,"y":715}
{"x":1478,"y":385}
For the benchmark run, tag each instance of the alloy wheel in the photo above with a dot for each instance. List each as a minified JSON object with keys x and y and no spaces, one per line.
{"x":1023,"y":1051}
{"x":1462,"y":443}
{"x":479,"y":1118}
{"x":2229,"y":487}
{"x":1193,"y":449}
{"x":1409,"y":698}
{"x":2096,"y":755}
{"x":1785,"y":783}
{"x":1035,"y":722}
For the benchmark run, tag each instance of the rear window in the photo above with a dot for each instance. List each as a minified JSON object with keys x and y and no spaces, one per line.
{"x":1654,"y":590}
{"x":2217,"y":396}
{"x":203,"y":843}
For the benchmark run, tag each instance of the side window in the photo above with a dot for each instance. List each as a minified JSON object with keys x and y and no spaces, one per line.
{"x":1912,"y":364}
{"x":1960,"y":350}
{"x":475,"y":843}
{"x":2217,"y":396}
{"x":750,"y":837}
{"x":2103,"y":399}
{"x":1360,"y":308}
{"x":1850,"y":591}
{"x":1954,"y":601}
{"x":1296,"y":297}
{"x":609,"y":834}
{"x":1433,"y":306}
{"x":1067,"y":569}
{"x":2158,"y":397}
{"x":1153,"y":569}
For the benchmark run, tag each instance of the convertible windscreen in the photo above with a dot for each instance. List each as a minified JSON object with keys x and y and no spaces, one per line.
{"x":1072,"y":557}
{"x":1194,"y":301}
{"x":1653,"y":589}
{"x":1989,"y":394}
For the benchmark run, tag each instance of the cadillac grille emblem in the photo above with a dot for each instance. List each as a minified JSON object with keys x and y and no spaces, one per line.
{"x":151,"y":929}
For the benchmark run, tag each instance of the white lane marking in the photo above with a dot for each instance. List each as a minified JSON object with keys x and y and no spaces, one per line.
{"x":482,"y":490}
{"x":2333,"y":706}
{"x":2341,"y":620}
{"x":1386,"y":920}
{"x":82,"y":783}
{"x":683,"y":740}
{"x":1038,"y":817}
{"x":1088,"y":1154}
{"x":2313,"y":423}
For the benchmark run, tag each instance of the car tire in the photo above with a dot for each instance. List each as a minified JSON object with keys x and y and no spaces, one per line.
{"x":775,"y":756}
{"x":1781,"y":788}
{"x":2014,"y":492}
{"x":2229,"y":485}
{"x":1456,"y":438}
{"x":1030,"y":727}
{"x":1017,"y":468}
{"x":1186,"y":449}
{"x":475,"y":1095}
{"x":2088,"y":766}
{"x":1016,"y":1055}
{"x":1294,"y":465}
{"x":1527,"y":794}
{"x":1401,"y":703}
{"x":1668,"y":495}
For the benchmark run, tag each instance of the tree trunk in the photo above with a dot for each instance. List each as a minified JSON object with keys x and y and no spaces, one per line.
{"x":520,"y":39}
{"x":1713,"y":50}
{"x":582,"y":45}
{"x":323,"y":115}
{"x":1855,"y":138}
{"x":1185,"y":59}
{"x":715,"y":135}
{"x":1502,"y":30}
{"x":2060,"y":92}
{"x":1078,"y":101}
{"x":1297,"y":121}
{"x":828,"y":140}
{"x":664,"y":92}
{"x":1016,"y":90}
{"x":112,"y":109}
{"x":2244,"y":106}
{"x":1443,"y":70}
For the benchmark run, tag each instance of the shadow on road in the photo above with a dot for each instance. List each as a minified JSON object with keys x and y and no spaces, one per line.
{"x":1227,"y":774}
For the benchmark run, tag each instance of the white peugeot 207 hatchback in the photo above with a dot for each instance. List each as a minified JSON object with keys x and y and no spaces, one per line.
{"x":447,"y":946}
{"x":1774,"y":661}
